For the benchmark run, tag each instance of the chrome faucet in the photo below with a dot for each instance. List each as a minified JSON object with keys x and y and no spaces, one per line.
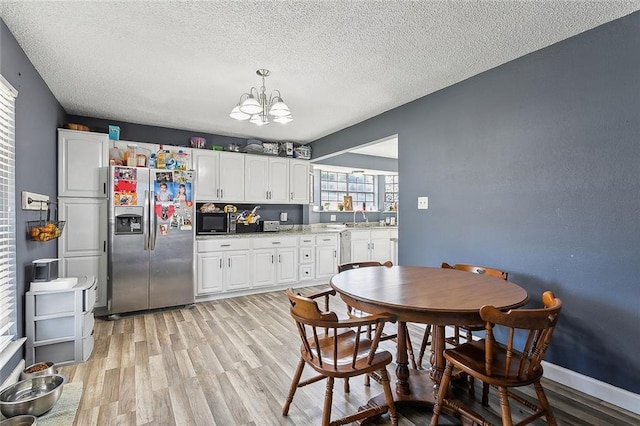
{"x":364,"y":216}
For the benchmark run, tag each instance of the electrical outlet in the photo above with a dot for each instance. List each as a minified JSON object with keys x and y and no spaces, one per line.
{"x":34,"y":198}
{"x":333,"y":218}
{"x":283,"y":217}
{"x":423,"y":203}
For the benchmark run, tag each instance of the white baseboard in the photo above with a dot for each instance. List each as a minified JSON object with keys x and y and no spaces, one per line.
{"x":615,"y":396}
{"x":612,"y":395}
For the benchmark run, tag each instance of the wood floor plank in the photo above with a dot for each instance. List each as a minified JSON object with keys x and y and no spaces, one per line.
{"x":230,"y":362}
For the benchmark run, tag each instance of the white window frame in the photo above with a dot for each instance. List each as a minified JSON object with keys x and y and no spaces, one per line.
{"x":348,"y":186}
{"x":8,"y":343}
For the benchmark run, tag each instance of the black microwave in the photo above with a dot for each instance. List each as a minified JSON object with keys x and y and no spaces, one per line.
{"x":215,"y":223}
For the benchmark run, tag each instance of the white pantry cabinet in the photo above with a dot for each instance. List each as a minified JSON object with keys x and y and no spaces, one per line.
{"x":219,"y":176}
{"x":82,"y":246}
{"x":83,"y":158}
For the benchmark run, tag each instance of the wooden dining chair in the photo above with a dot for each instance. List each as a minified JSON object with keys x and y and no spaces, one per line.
{"x":354,"y":313}
{"x":337,"y":349}
{"x":515,"y":363}
{"x":467,"y":329}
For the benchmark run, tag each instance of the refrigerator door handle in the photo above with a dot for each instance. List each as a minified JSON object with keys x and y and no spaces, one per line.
{"x":146,"y":214}
{"x":153,"y":221}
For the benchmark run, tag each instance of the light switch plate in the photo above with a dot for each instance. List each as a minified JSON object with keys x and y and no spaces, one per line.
{"x":333,"y":218}
{"x":423,"y":203}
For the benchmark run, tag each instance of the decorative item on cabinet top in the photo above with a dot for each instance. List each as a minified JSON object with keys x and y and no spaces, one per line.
{"x":44,"y":229}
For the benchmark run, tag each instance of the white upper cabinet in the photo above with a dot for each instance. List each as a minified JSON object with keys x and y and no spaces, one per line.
{"x":219,"y":176}
{"x":267,"y":179}
{"x":83,"y":158}
{"x":299,"y":181}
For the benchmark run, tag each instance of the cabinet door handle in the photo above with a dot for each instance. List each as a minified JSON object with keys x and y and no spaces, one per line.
{"x":306,"y":241}
{"x":220,"y":263}
{"x":104,"y":188}
{"x":279,"y":259}
{"x":334,"y":253}
{"x":229,"y":262}
{"x":225,"y":245}
{"x":292,"y":195}
{"x":218,"y":193}
{"x":271,"y":258}
{"x":104,"y":246}
{"x":275,"y":242}
{"x":222,"y":193}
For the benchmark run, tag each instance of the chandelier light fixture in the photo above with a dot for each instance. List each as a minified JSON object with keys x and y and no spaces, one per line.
{"x":255,"y":107}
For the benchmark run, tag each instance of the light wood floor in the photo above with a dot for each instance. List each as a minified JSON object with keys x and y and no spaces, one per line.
{"x":230,"y":362}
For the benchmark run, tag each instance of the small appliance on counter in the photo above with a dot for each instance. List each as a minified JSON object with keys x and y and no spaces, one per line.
{"x":270,"y":225}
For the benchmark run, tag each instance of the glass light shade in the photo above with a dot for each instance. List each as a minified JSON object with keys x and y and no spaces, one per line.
{"x":238,"y":115}
{"x":283,"y":120}
{"x":251,"y":106}
{"x":258,"y":120}
{"x":279,"y":109}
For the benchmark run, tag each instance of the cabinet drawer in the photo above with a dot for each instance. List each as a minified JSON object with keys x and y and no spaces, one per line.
{"x":262,"y":243}
{"x":223,"y":244}
{"x":57,"y":353}
{"x":54,"y":303}
{"x":306,"y":254}
{"x":379,"y":234}
{"x":63,"y":327}
{"x":359,"y":235}
{"x":307,"y":240}
{"x":326,"y":240}
{"x":306,"y":272}
{"x":89,"y":298}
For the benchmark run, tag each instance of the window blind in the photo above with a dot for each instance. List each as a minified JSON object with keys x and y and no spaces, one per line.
{"x":7,"y":215}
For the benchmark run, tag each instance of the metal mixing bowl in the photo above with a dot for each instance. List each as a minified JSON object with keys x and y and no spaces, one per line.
{"x":45,"y":372}
{"x":33,"y":396}
{"x":20,"y":421}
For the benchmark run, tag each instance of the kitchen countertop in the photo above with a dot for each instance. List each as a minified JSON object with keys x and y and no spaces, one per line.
{"x":297,"y":230}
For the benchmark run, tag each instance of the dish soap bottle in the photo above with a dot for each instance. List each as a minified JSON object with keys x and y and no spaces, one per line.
{"x":160,"y":158}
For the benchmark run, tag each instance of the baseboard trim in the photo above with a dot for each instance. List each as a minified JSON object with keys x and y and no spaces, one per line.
{"x":615,"y":396}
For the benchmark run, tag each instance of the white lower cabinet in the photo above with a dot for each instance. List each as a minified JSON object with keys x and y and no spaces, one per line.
{"x":326,"y":253}
{"x":274,"y":261}
{"x":370,"y":245}
{"x":223,"y":265}
{"x":59,"y":323}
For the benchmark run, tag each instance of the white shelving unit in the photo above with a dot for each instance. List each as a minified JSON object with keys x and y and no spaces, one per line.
{"x":59,"y":323}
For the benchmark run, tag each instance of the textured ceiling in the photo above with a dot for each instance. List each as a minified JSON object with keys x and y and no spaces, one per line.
{"x":184,"y":64}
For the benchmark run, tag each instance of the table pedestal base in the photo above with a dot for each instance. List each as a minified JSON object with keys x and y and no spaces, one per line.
{"x":423,"y":393}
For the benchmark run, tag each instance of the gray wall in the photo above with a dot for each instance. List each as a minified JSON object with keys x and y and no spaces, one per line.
{"x":38,"y":115}
{"x":534,"y":168}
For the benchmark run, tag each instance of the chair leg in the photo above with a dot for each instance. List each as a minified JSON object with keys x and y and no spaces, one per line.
{"x":423,"y":345}
{"x":294,"y":386}
{"x":442,"y":392}
{"x":551,"y":420}
{"x":367,"y":380}
{"x":388,"y":396}
{"x":485,"y":394}
{"x":505,"y":409}
{"x":328,"y":398}
{"x":347,"y":389}
{"x":412,"y":357}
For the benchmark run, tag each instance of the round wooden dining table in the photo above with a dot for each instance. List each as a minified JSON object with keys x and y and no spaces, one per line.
{"x":427,"y":295}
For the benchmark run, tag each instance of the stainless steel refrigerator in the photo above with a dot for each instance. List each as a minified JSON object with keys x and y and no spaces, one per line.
{"x":151,"y":237}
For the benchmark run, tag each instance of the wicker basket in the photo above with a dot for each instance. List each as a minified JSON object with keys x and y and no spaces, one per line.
{"x":41,"y":230}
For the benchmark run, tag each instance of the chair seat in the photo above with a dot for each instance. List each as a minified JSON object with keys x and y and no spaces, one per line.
{"x":344,"y":366}
{"x":469,"y":357}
